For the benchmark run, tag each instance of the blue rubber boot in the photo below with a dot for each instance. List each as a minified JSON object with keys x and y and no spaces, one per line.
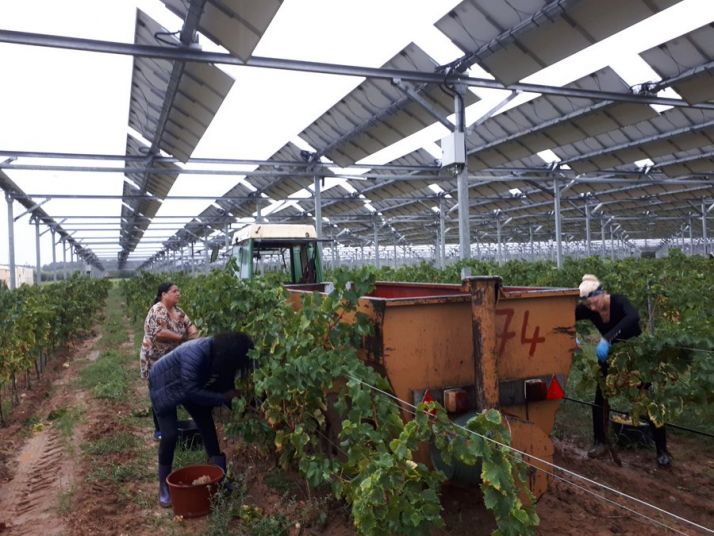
{"x":164,"y":495}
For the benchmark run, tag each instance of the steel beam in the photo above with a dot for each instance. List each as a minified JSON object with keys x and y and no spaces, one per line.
{"x":199,"y":56}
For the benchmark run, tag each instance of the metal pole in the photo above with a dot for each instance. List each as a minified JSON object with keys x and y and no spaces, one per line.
{"x":318,"y":206}
{"x":691,"y":236}
{"x":437,"y":249}
{"x":530,"y":234}
{"x":376,"y":244}
{"x":11,"y":239}
{"x":54,"y":255}
{"x":462,"y":183}
{"x":206,"y":255}
{"x":332,"y":250}
{"x":612,"y":243}
{"x":395,"y":255}
{"x":499,"y":257}
{"x":558,"y":243}
{"x":64,"y":259}
{"x":38,"y":278}
{"x":602,"y":236}
{"x":588,"y":244}
{"x":442,"y":234}
{"x":705,"y":240}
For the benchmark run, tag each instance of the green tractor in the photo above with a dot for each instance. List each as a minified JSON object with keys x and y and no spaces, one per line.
{"x":261,"y":248}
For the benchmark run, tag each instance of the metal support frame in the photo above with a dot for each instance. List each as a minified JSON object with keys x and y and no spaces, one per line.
{"x":33,"y":207}
{"x":442,"y":234}
{"x":462,"y":182}
{"x":64,"y":258}
{"x":54,"y":255}
{"x":414,"y":94}
{"x":558,"y":230}
{"x":705,"y":239}
{"x":588,"y":241}
{"x":612,"y":242}
{"x":38,"y":266}
{"x":11,"y":241}
{"x":499,"y":252}
{"x":195,"y":55}
{"x":376,"y":242}
{"x":602,"y":236}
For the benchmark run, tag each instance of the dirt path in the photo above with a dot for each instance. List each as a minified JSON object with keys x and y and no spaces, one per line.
{"x":44,"y":467}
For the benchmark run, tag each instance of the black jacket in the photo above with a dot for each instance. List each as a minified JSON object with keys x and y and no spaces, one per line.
{"x":183,"y":375}
{"x":624,"y":319}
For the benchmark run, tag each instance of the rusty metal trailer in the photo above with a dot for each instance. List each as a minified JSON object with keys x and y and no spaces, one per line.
{"x":475,"y":346}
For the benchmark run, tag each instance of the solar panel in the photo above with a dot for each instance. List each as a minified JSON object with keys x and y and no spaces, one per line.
{"x":512,"y":40}
{"x":683,"y":54}
{"x":199,"y":93}
{"x":237,"y":25}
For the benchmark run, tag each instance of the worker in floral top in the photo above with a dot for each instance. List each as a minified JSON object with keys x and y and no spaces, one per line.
{"x":166,"y":326}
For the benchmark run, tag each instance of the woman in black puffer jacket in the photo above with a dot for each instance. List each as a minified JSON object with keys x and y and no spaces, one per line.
{"x":199,"y":375}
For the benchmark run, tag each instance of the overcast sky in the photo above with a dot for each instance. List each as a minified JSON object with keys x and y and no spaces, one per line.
{"x":70,"y":101}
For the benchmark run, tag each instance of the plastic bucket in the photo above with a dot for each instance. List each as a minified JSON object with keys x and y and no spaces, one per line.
{"x":189,"y":499}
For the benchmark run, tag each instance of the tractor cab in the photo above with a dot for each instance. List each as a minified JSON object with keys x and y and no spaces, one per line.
{"x":261,"y":248}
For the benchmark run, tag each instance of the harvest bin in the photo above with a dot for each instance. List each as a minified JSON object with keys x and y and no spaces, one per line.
{"x":474,"y":346}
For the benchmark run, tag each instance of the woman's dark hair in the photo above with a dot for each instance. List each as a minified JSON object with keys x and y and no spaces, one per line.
{"x":229,"y":355}
{"x":163,"y":287}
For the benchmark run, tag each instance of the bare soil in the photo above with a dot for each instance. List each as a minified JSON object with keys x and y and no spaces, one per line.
{"x":47,"y":486}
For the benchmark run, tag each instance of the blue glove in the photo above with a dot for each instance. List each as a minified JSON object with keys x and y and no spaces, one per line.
{"x":602,"y":350}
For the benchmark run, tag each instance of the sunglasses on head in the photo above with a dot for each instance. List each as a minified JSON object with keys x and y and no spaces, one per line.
{"x":592,"y":294}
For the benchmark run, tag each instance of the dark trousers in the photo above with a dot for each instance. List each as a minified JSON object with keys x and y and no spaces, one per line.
{"x":168,"y":424}
{"x":156,"y":421}
{"x":600,"y":419}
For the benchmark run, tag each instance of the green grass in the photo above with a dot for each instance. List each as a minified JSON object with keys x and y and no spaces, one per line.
{"x":131,"y":471}
{"x":65,"y":419}
{"x":184,"y":456}
{"x":121,"y":442}
{"x":114,"y":332}
{"x":108,"y":376}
